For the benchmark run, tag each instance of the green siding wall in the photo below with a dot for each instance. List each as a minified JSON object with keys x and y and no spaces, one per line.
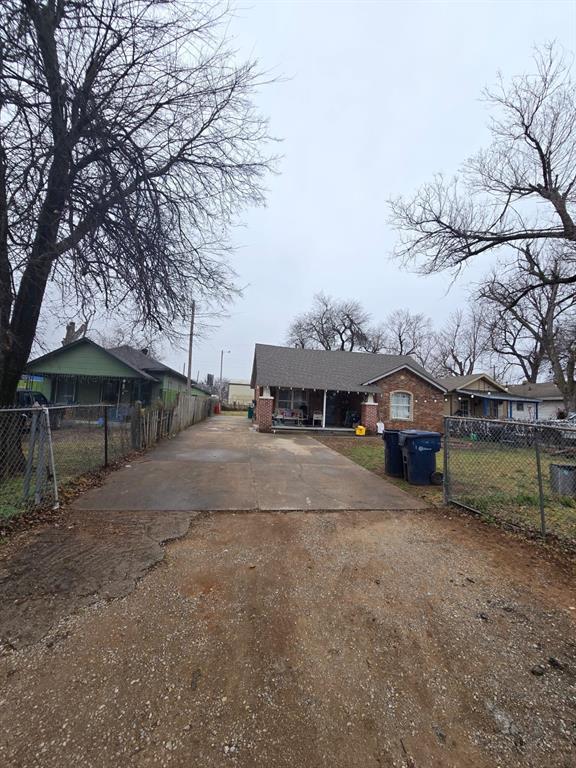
{"x":171,"y":386}
{"x":82,"y":360}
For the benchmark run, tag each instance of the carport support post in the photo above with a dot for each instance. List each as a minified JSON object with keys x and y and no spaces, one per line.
{"x":324,"y":410}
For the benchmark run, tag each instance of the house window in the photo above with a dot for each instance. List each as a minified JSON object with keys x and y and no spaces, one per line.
{"x":110,"y":391}
{"x":519,"y":406}
{"x":401,"y":406}
{"x":292,"y":399}
{"x":66,"y":389}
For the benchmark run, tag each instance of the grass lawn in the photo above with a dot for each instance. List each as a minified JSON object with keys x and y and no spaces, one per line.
{"x":369,"y":453}
{"x":497,"y":481}
{"x":77,"y":450}
{"x":503,"y":482}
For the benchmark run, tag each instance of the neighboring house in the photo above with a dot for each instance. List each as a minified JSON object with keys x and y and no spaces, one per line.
{"x":240,"y":393}
{"x":336,"y":390}
{"x":83,"y":372}
{"x":480,"y":396}
{"x":550,"y":397}
{"x":36,"y":384}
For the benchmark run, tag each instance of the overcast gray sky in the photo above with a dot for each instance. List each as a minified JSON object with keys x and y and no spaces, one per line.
{"x":378,"y":96}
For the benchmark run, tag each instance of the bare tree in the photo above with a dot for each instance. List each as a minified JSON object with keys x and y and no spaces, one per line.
{"x":376,"y":339}
{"x":128,"y":140}
{"x":330,"y":324}
{"x":540,"y":323}
{"x":511,"y":342}
{"x":122,"y":334}
{"x":520,"y":190}
{"x":405,"y":333}
{"x":462,"y":345}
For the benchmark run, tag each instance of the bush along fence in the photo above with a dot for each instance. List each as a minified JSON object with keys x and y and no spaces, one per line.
{"x":518,"y":472}
{"x":42,"y":449}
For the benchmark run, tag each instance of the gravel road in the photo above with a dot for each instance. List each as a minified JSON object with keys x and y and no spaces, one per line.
{"x":344,"y":639}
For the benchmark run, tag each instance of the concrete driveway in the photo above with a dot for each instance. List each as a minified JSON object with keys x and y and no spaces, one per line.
{"x":378,"y":637}
{"x":223,"y":464}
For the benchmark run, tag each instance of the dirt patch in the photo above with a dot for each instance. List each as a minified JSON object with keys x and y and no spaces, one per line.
{"x":339,"y":639}
{"x":83,"y":557}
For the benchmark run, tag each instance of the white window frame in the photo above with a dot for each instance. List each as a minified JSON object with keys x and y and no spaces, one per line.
{"x":393,"y":405}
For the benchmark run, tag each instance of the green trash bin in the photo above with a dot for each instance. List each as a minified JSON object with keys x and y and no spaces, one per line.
{"x":250,"y":411}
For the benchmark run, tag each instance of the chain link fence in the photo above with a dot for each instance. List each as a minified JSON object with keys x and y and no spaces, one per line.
{"x":43,"y":449}
{"x":519,"y":472}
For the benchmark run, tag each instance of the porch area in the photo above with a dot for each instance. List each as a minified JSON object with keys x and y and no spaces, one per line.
{"x":491,"y":405}
{"x":317,"y":409}
{"x":67,"y":389}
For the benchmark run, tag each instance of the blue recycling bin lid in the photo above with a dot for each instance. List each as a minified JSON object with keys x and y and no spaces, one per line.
{"x":411,"y":433}
{"x":420,"y":439}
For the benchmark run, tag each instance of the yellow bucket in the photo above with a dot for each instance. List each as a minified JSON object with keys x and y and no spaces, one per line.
{"x":360,"y":430}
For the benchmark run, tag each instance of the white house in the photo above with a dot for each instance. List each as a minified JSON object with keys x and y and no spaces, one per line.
{"x":550,"y":397}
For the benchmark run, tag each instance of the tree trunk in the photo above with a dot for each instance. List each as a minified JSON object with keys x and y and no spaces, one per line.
{"x":12,"y":460}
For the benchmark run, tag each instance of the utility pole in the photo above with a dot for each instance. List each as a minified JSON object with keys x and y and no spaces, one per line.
{"x":222,"y":351}
{"x":190,"y":342}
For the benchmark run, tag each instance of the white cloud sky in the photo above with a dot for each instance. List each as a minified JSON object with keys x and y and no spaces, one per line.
{"x":377,"y":97}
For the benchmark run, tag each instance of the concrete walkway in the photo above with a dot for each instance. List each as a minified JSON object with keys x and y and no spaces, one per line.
{"x":223,"y":464}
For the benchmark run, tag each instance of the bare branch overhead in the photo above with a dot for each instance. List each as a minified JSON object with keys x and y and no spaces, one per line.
{"x":520,"y":189}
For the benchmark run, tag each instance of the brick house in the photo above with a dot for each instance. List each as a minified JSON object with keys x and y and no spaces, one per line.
{"x":317,"y":389}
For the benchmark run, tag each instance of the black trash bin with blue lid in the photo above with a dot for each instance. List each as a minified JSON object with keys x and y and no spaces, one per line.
{"x":419,"y":449}
{"x":393,"y":459}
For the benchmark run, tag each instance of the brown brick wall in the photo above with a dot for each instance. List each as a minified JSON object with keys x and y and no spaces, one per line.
{"x":369,"y":416}
{"x":263,"y":412}
{"x":427,"y":402}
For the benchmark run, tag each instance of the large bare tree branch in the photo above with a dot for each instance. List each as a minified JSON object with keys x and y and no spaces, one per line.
{"x":128,"y":143}
{"x":520,"y":190}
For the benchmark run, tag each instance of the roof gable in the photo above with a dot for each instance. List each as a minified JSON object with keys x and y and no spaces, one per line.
{"x":85,"y":357}
{"x":408,"y":367}
{"x":474,"y":381}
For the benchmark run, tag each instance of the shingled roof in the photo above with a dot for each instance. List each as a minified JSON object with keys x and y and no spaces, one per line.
{"x":335,"y":370}
{"x":144,"y":362}
{"x":545,"y":390}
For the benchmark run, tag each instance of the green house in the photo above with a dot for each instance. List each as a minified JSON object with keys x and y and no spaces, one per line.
{"x":85,"y":373}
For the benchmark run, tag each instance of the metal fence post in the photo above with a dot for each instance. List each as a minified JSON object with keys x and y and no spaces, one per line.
{"x":105,"y":435}
{"x":446,"y":485}
{"x":540,"y":485}
{"x":51,"y":461}
{"x":41,"y":464}
{"x":30,"y":457}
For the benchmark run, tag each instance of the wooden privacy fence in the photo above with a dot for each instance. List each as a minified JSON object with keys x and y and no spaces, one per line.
{"x":42,"y":449}
{"x":149,"y":425}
